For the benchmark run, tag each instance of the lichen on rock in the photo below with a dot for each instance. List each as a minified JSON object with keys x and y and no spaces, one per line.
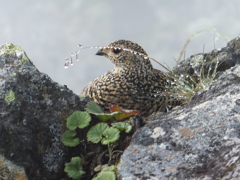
{"x":10,"y":48}
{"x":9,"y":97}
{"x":33,"y":113}
{"x":197,"y":141}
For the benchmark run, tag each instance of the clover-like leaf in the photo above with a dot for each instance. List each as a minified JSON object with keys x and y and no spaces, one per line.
{"x":69,"y":140}
{"x":110,"y":135}
{"x":122,"y":113}
{"x":109,"y":175}
{"x":95,"y":109}
{"x":78,"y":119}
{"x":122,"y":126}
{"x":74,"y":168}
{"x":95,"y":133}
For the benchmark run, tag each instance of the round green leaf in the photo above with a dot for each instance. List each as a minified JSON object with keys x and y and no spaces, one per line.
{"x":78,"y":119}
{"x":69,"y":140}
{"x":110,"y":135}
{"x":93,"y":108}
{"x":74,"y":168}
{"x":95,"y":133}
{"x":123,"y":126}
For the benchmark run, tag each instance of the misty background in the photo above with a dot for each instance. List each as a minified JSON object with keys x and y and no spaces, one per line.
{"x":49,"y":30}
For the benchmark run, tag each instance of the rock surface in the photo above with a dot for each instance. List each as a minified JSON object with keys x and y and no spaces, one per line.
{"x":33,"y":112}
{"x":200,"y":140}
{"x":227,"y":57}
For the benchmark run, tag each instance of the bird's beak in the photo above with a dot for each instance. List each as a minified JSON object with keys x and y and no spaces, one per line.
{"x":100,"y":53}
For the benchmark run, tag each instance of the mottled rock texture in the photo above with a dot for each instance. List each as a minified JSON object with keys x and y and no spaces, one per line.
{"x":226,"y":58}
{"x":33,"y":112}
{"x":200,"y":140}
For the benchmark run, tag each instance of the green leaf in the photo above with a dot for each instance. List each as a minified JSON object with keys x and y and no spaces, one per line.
{"x":78,"y":119}
{"x":105,"y":176}
{"x":107,"y":116}
{"x":100,"y":167}
{"x":93,"y":108}
{"x":110,"y":135}
{"x":95,"y":133}
{"x":69,"y":140}
{"x":122,"y":126}
{"x":104,"y":167}
{"x":108,"y":168}
{"x":74,"y":168}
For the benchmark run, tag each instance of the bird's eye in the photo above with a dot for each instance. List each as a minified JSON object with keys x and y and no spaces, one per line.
{"x":116,"y":50}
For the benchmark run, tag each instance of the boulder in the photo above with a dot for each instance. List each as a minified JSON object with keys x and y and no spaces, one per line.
{"x":200,"y":140}
{"x":33,"y":113}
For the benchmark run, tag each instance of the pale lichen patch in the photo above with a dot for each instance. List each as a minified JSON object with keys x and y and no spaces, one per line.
{"x":158,"y":131}
{"x":9,"y":97}
{"x":24,"y":59}
{"x":10,"y":48}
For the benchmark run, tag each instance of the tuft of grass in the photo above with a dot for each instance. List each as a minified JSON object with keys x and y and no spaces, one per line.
{"x":182,"y":52}
{"x":184,"y":85}
{"x":198,"y":72}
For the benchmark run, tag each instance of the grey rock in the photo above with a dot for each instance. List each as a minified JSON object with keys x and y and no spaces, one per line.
{"x":199,"y":64}
{"x":200,"y":140}
{"x":33,"y":113}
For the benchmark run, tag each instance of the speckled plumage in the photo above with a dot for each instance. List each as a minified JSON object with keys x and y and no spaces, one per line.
{"x":132,"y":84}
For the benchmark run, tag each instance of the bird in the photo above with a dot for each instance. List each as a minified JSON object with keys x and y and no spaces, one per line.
{"x":132,"y":84}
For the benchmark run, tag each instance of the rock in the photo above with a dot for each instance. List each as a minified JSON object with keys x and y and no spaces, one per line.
{"x":33,"y":112}
{"x":200,"y":140}
{"x":10,"y":171}
{"x":223,"y":59}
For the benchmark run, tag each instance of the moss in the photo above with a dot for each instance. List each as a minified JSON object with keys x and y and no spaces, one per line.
{"x":10,"y":48}
{"x":81,"y":97}
{"x":9,"y":97}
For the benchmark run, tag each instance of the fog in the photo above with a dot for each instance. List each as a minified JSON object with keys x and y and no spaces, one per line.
{"x":49,"y":30}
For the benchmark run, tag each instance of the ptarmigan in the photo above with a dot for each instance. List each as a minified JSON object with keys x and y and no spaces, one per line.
{"x":133,"y":83}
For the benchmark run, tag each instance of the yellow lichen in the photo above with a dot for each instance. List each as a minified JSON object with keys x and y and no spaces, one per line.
{"x":9,"y":97}
{"x":14,"y":74}
{"x":9,"y":48}
{"x":24,"y":59}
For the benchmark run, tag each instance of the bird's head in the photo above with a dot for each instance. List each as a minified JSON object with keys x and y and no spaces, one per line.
{"x":125,"y":54}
